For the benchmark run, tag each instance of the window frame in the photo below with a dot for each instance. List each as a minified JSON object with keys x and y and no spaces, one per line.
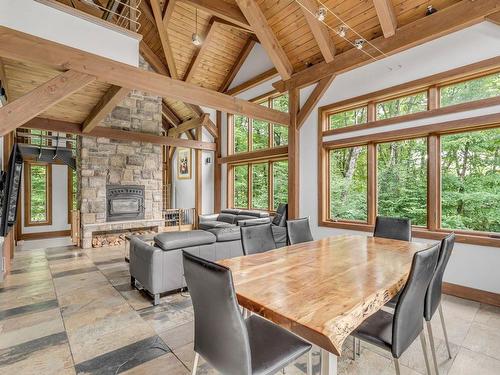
{"x":27,"y":194}
{"x":270,"y":182}
{"x":267,"y":97}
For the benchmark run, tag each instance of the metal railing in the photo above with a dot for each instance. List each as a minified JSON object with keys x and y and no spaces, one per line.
{"x":123,"y":13}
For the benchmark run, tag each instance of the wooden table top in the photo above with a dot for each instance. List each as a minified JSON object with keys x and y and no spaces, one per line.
{"x":322,"y":290}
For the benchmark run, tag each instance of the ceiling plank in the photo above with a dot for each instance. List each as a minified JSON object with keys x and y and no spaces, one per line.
{"x":152,"y":58}
{"x":169,"y":10}
{"x":221,"y":9}
{"x":110,"y":100}
{"x":313,"y":99}
{"x":3,"y":79}
{"x":165,"y":42}
{"x":266,"y":36}
{"x":30,"y":105}
{"x":200,"y":52}
{"x":147,"y":11}
{"x":188,"y":125}
{"x":386,"y":17}
{"x":169,"y":114}
{"x":20,"y":46}
{"x":125,"y":135}
{"x":247,"y":48}
{"x":448,"y":20}
{"x":319,"y":29}
{"x":255,"y":81}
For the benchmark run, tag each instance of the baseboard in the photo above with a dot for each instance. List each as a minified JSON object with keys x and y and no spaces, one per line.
{"x":44,"y":235}
{"x":472,"y":294}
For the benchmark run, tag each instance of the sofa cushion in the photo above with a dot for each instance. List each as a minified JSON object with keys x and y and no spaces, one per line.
{"x":179,"y":240}
{"x":226,"y":234}
{"x":253,"y":221}
{"x":227,"y":218}
{"x":232,"y":211}
{"x":205,"y":225}
{"x":254,"y":213}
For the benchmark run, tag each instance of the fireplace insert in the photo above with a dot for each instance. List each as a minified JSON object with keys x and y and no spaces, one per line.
{"x":124,"y":202}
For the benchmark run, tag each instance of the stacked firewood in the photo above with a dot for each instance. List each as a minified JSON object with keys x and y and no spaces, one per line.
{"x":115,"y":239}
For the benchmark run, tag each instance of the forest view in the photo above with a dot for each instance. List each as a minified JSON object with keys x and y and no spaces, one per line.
{"x":38,"y":198}
{"x":470,"y":167}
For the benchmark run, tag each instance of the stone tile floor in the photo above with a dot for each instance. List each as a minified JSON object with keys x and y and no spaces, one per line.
{"x":64,"y":310}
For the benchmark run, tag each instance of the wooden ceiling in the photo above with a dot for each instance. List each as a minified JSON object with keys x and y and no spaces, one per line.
{"x":222,"y":26}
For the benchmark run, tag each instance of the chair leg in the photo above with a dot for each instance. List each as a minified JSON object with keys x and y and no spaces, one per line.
{"x":156,"y":300}
{"x":433,"y":347}
{"x":444,"y":330}
{"x":358,"y":350}
{"x":424,"y":349}
{"x":195,"y":364}
{"x":396,"y":366}
{"x":132,"y":281}
{"x":309,"y":362}
{"x":353,"y":348}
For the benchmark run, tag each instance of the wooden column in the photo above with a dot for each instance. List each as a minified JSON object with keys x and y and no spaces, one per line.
{"x":293,"y":155}
{"x":217,"y":166}
{"x":198,"y":179}
{"x":372,"y":183}
{"x":433,"y":182}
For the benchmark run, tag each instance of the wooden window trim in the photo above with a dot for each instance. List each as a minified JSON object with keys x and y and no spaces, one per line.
{"x":27,"y":195}
{"x":70,"y":193}
{"x":433,"y":229}
{"x":431,"y":84}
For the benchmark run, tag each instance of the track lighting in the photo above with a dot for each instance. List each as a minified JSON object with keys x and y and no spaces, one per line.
{"x":321,"y":14}
{"x":342,"y":31}
{"x":359,"y":43}
{"x":196,"y":39}
{"x":430,"y":10}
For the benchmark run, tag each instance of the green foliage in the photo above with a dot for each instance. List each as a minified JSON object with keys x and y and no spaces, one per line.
{"x":280,"y":103}
{"x":260,"y":186}
{"x":402,"y":180}
{"x":240,"y":133}
{"x":480,"y":88}
{"x":38,"y":208}
{"x":241,"y":186}
{"x":260,"y":135}
{"x":280,"y":135}
{"x":280,"y":183}
{"x":404,"y":105}
{"x":348,"y":184}
{"x":354,"y":116}
{"x":470,"y":172}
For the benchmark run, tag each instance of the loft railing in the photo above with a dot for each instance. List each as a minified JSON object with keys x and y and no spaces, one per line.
{"x":123,"y":13}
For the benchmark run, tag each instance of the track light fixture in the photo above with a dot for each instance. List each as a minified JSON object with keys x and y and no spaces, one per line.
{"x":321,"y":14}
{"x":342,"y":31}
{"x":195,"y":38}
{"x":430,"y":10}
{"x":359,"y":43}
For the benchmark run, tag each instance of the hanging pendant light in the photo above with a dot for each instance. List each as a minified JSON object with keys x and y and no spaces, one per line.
{"x":196,"y":39}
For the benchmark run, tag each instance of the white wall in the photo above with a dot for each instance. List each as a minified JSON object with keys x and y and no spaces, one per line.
{"x":470,"y":265}
{"x":59,"y":202}
{"x":37,"y":19}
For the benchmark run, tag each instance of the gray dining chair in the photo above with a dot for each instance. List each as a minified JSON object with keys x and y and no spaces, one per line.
{"x":228,"y":342}
{"x":396,"y":332}
{"x":299,"y":231}
{"x":392,"y":228}
{"x":257,"y":239}
{"x":433,"y":296}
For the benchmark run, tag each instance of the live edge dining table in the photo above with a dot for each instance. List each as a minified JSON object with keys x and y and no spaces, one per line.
{"x":322,"y":290}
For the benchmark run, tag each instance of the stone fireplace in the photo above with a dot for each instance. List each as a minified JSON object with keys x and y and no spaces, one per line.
{"x":110,"y":170}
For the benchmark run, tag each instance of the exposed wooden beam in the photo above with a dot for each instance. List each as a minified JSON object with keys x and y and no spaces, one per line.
{"x":386,"y":16}
{"x":231,"y":25}
{"x":293,"y":155}
{"x":110,"y":100}
{"x":73,"y":128}
{"x":152,"y":58}
{"x":20,"y":46}
{"x":30,"y":105}
{"x":169,"y":10}
{"x":147,"y":11}
{"x":200,"y":52}
{"x":221,"y":9}
{"x":247,"y":48}
{"x":211,"y":128}
{"x":448,"y":20}
{"x":188,"y":125}
{"x":254,"y":155}
{"x":495,"y":18}
{"x":319,"y":29}
{"x":3,"y":78}
{"x":198,"y":179}
{"x":266,"y":36}
{"x":169,"y":114}
{"x":313,"y":99}
{"x":164,"y":38}
{"x":217,"y":166}
{"x":255,"y":81}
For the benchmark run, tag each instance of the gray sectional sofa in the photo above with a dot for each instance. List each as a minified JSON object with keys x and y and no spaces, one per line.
{"x":158,"y":267}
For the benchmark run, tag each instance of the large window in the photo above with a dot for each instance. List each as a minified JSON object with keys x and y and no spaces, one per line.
{"x":402,"y":180}
{"x":470,"y":181}
{"x":347,"y":118}
{"x":404,"y":105}
{"x":37,"y":194}
{"x":470,"y":90}
{"x":348,"y":184}
{"x":259,"y":185}
{"x":250,"y":134}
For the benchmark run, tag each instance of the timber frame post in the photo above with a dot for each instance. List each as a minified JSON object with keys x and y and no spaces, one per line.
{"x":293,"y":155}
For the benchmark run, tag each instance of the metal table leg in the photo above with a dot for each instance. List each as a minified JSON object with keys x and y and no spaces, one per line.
{"x":328,"y":363}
